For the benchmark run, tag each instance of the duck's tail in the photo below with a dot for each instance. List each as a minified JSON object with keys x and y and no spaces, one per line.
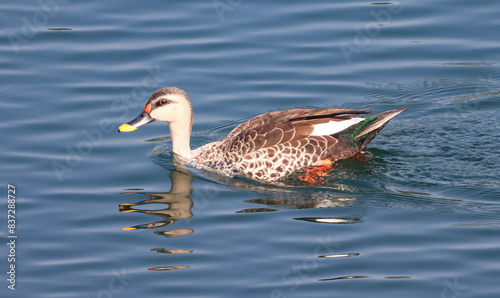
{"x":359,"y":135}
{"x":374,"y":124}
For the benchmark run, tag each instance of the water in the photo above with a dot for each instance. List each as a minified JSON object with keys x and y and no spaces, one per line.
{"x":420,"y":218}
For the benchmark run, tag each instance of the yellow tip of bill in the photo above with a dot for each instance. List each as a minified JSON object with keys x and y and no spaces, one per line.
{"x":126,"y":128}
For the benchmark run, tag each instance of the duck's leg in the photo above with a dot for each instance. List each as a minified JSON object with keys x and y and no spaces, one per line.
{"x":316,"y":174}
{"x":362,"y":156}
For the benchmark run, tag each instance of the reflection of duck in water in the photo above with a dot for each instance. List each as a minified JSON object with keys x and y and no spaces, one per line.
{"x":179,"y":207}
{"x":268,"y":147}
{"x":179,"y":203}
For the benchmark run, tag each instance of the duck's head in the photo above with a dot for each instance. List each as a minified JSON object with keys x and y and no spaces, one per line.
{"x":168,"y":104}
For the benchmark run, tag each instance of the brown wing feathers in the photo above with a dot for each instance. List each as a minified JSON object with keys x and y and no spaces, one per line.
{"x":275,"y":128}
{"x":267,"y":135}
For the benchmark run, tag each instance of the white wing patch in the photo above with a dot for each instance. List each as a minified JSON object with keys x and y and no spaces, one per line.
{"x":334,"y":127}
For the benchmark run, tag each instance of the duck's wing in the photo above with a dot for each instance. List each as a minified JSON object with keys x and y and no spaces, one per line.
{"x":282,"y":127}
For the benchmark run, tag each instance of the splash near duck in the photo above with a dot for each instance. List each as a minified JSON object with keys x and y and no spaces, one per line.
{"x":268,"y":147}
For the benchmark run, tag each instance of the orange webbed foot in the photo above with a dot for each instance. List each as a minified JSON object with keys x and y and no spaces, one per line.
{"x":362,"y":156}
{"x":317,"y":174}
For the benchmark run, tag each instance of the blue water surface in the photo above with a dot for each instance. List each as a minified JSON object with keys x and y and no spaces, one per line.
{"x":103,"y":214}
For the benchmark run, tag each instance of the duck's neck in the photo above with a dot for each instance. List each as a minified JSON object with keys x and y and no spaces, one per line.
{"x":181,"y":133}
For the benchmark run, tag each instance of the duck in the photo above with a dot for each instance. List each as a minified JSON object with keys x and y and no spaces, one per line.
{"x":271,"y":146}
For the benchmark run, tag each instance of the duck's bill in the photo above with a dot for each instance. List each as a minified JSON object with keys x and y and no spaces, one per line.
{"x":139,"y":121}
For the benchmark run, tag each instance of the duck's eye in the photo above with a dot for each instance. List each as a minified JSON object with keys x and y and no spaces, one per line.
{"x":162,"y":102}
